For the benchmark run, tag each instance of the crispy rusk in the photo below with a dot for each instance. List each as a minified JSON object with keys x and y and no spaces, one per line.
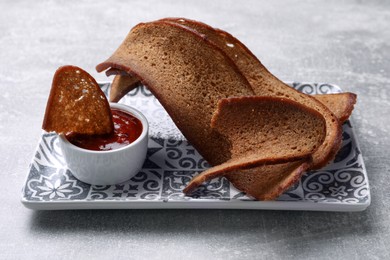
{"x":262,"y":82}
{"x":77,"y":104}
{"x":263,"y":131}
{"x":265,"y":83}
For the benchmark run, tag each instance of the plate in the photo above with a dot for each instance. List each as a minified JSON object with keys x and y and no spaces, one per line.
{"x":171,"y":162}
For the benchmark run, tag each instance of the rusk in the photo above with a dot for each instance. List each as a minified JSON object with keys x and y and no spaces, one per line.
{"x":77,"y":104}
{"x":263,"y":131}
{"x":245,"y":72}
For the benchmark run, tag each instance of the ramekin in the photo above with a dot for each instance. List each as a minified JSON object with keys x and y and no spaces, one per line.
{"x":108,"y":167}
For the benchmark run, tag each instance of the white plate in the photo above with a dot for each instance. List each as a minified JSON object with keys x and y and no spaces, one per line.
{"x":172,"y":161}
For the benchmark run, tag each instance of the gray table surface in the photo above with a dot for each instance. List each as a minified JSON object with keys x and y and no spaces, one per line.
{"x":341,"y":42}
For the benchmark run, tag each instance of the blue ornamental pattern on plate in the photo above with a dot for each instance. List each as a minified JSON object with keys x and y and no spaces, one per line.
{"x":171,"y":163}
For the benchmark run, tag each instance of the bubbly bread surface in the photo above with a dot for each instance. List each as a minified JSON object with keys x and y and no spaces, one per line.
{"x":77,"y":104}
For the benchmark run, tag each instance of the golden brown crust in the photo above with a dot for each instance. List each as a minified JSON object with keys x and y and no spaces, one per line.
{"x":77,"y":104}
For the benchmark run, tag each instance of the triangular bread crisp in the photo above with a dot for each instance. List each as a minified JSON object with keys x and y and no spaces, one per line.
{"x":77,"y":104}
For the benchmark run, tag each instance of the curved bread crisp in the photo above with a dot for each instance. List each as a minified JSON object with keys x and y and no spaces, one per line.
{"x":270,"y":181}
{"x":273,"y":180}
{"x":255,"y":73}
{"x":263,"y":131}
{"x":264,"y":83}
{"x":77,"y":104}
{"x":187,"y":74}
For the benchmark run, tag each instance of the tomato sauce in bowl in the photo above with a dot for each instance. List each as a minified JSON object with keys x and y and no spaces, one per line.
{"x":127,"y":128}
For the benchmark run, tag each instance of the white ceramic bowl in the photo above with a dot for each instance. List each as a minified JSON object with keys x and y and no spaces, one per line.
{"x":108,"y":167}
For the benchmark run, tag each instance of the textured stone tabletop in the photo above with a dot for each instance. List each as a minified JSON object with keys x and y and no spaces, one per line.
{"x":342,"y":42}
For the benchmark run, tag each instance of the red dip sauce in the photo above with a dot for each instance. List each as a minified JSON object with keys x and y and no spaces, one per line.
{"x":127,"y":129}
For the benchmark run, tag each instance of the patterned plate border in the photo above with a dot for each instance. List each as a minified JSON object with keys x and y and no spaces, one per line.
{"x":171,"y":162}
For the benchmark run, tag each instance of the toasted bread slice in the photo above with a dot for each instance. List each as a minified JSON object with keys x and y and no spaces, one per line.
{"x":264,"y":83}
{"x":270,"y":181}
{"x":263,"y":131}
{"x":188,"y":75}
{"x":77,"y":104}
{"x":118,"y":61}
